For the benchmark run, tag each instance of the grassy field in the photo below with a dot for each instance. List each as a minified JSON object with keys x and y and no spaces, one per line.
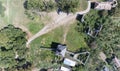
{"x":74,"y":39}
{"x":3,"y":19}
{"x":83,"y":5}
{"x":74,"y":42}
{"x":15,"y":14}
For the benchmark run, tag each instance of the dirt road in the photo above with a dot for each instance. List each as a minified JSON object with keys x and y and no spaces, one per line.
{"x":62,"y":19}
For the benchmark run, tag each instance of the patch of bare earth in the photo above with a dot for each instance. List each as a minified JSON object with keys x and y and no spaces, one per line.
{"x":65,"y":33}
{"x":59,"y":21}
{"x":102,"y":56}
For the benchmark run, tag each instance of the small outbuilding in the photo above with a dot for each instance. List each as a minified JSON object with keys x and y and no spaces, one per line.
{"x":61,"y":50}
{"x":105,"y":68}
{"x":108,"y":5}
{"x":69,"y":62}
{"x":64,"y":68}
{"x":103,"y":6}
{"x":117,"y":63}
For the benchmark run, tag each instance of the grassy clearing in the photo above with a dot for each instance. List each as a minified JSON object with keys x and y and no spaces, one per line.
{"x":3,"y":17}
{"x":14,"y":12}
{"x":43,"y":58}
{"x":83,"y":5}
{"x":2,"y":9}
{"x":74,"y":40}
{"x":34,"y":27}
{"x":47,"y":39}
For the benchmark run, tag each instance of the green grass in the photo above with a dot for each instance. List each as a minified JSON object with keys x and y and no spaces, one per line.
{"x":83,"y":5}
{"x":2,"y":9}
{"x":34,"y":27}
{"x":3,"y":17}
{"x":43,"y":58}
{"x":47,"y":39}
{"x":15,"y":11}
{"x":74,"y":39}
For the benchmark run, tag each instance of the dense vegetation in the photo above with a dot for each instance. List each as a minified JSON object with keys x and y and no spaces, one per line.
{"x":44,"y":5}
{"x":106,"y":41}
{"x":40,"y":5}
{"x":109,"y":38}
{"x":12,"y":47}
{"x":68,"y":5}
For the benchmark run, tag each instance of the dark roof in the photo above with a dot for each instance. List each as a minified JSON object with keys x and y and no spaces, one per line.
{"x":61,"y":50}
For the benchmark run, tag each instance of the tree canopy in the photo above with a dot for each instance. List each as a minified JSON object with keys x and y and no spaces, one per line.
{"x":109,"y":38}
{"x":12,"y":47}
{"x":49,"y":5}
{"x":40,"y":5}
{"x":68,"y":5}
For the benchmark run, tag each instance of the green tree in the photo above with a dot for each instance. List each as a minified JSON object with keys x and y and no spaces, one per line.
{"x":40,"y":5}
{"x":109,"y":38}
{"x":68,"y":5}
{"x":12,"y":47}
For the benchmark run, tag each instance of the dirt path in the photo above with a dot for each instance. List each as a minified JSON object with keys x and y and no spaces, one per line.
{"x":58,"y":20}
{"x":29,"y":34}
{"x":53,"y":25}
{"x":65,"y":33}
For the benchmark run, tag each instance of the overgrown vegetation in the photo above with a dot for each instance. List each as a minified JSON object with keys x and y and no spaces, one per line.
{"x":12,"y":47}
{"x":49,"y":5}
{"x":68,"y":5}
{"x":107,"y":40}
{"x":40,"y":5}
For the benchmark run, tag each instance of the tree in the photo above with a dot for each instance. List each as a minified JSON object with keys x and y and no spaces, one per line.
{"x":68,"y":5}
{"x":40,"y":5}
{"x":12,"y":47}
{"x":109,"y":38}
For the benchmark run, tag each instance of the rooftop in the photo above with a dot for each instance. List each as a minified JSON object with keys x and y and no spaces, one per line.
{"x":61,"y":50}
{"x":103,"y":6}
{"x":116,"y":62}
{"x":108,"y":5}
{"x":69,"y":62}
{"x":65,"y":68}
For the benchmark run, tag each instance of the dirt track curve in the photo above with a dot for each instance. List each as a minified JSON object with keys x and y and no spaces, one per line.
{"x":62,"y":19}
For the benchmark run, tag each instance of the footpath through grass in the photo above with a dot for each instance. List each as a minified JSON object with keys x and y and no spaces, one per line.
{"x":74,"y":39}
